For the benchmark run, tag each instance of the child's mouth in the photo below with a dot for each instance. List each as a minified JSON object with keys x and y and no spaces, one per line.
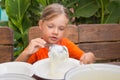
{"x":53,"y":38}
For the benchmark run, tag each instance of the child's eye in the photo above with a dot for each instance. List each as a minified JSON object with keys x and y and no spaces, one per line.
{"x":61,"y":28}
{"x":50,"y":26}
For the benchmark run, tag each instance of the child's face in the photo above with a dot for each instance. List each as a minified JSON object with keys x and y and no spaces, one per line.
{"x":53,"y":30}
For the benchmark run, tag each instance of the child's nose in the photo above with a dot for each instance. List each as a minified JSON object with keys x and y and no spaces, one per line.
{"x":55,"y":31}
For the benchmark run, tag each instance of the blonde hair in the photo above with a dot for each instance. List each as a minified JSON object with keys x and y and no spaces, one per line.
{"x":54,"y":10}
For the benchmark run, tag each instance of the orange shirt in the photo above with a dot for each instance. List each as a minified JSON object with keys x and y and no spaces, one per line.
{"x":42,"y":53}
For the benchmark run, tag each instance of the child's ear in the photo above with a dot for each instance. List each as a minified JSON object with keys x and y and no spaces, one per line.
{"x":40,"y":24}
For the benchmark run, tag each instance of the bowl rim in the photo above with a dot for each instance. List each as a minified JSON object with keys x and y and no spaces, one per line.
{"x":47,"y":59}
{"x":6,"y":64}
{"x":95,"y":66}
{"x":14,"y":75}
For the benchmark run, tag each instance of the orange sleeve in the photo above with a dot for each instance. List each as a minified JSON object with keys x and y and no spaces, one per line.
{"x":32,"y":59}
{"x":40,"y":54}
{"x":74,"y":50}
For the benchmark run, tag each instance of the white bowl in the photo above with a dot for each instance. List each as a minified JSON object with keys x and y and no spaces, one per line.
{"x":11,"y":76}
{"x":94,"y":72}
{"x":16,"y":68}
{"x":42,"y":68}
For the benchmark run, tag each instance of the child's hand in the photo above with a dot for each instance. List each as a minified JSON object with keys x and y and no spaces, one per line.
{"x":87,"y":58}
{"x":35,"y":45}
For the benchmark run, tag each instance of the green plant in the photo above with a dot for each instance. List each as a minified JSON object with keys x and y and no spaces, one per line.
{"x":90,"y":11}
{"x":96,"y":11}
{"x":22,"y":15}
{"x":3,"y":23}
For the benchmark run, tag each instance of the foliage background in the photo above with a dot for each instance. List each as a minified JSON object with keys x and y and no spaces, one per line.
{"x":26,"y":13}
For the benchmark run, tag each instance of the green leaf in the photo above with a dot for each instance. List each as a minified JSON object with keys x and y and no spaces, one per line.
{"x":86,"y":9}
{"x":16,"y":10}
{"x":43,"y":2}
{"x":114,"y":12}
{"x":26,"y":23}
{"x":71,"y":3}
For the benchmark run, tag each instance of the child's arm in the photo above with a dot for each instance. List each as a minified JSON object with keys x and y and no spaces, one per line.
{"x":33,"y":47}
{"x":77,"y":53}
{"x":87,"y":58}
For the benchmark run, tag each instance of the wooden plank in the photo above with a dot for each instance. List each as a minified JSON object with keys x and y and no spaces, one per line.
{"x":72,"y":33}
{"x":6,"y":35}
{"x":99,"y":32}
{"x":103,"y":51}
{"x":34,"y":32}
{"x":6,"y":53}
{"x":6,"y":44}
